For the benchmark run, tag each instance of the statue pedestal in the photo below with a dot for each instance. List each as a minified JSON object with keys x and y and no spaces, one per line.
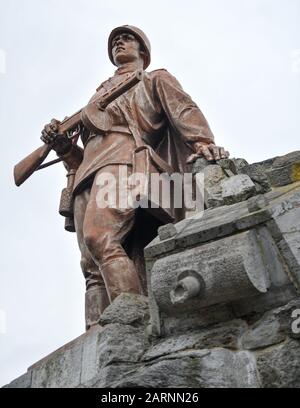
{"x":235,"y":353}
{"x":224,"y":304}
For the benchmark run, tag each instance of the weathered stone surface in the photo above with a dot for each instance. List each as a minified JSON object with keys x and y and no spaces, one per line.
{"x":258,"y":176}
{"x":119,"y":343}
{"x":214,"y":223}
{"x":24,"y":381}
{"x":213,"y":197}
{"x":90,"y":361}
{"x":112,"y":376}
{"x":128,"y":309}
{"x":265,"y":165}
{"x":231,"y":268}
{"x":249,"y":256}
{"x":287,"y":231}
{"x":275,"y":265}
{"x":218,"y":367}
{"x":218,"y":222}
{"x":199,"y":165}
{"x":290,"y":248}
{"x":252,"y":219}
{"x":240,"y":163}
{"x":224,"y":335}
{"x":167,"y":231}
{"x":285,"y":169}
{"x":273,"y":328}
{"x":158,"y":247}
{"x":284,"y":316}
{"x":237,"y":188}
{"x":213,"y":174}
{"x":256,"y":172}
{"x":209,"y":316}
{"x":289,"y":205}
{"x":228,"y":166}
{"x":279,"y":366}
{"x":233,"y":180}
{"x":265,"y":333}
{"x":118,"y":356}
{"x":261,"y":303}
{"x":114,"y":344}
{"x":257,"y":203}
{"x":61,"y":370}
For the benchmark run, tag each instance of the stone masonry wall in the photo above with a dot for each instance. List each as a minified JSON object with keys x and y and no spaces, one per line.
{"x":257,"y":351}
{"x":224,"y":305}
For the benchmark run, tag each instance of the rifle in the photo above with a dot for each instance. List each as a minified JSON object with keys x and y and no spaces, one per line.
{"x":93,"y":116}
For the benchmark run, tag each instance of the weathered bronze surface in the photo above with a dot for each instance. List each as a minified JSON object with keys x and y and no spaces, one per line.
{"x":91,"y":116}
{"x":133,"y":115}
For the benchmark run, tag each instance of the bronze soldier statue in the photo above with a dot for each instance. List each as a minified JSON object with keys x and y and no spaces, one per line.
{"x":156,"y":113}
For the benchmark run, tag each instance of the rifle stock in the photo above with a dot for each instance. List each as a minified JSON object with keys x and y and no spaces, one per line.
{"x":27,"y":166}
{"x":30,"y":164}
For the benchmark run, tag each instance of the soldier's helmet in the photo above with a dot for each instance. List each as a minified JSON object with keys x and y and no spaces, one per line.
{"x":139,"y":35}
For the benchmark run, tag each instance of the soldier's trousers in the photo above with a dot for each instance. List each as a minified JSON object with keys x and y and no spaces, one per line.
{"x":100,"y":232}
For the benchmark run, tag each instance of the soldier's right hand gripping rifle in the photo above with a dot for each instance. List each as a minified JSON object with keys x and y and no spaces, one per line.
{"x":62,"y":137}
{"x":57,"y":135}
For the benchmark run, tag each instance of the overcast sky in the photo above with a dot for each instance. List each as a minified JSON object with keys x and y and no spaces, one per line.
{"x":238,"y":59}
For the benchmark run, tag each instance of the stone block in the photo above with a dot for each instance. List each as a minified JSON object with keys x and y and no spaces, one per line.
{"x":24,"y":381}
{"x":275,"y":265}
{"x":229,"y":268}
{"x":229,"y":167}
{"x":199,"y":165}
{"x":193,"y":320}
{"x":265,"y":333}
{"x":257,"y":203}
{"x":213,"y":175}
{"x":167,"y":231}
{"x":237,"y":188}
{"x":114,"y":344}
{"x":216,"y":368}
{"x":127,"y":309}
{"x":113,"y":376}
{"x":258,"y":176}
{"x":265,"y":165}
{"x":286,"y":217}
{"x":225,"y":335}
{"x":272,"y":328}
{"x":285,"y":170}
{"x":279,"y":367}
{"x":61,"y":369}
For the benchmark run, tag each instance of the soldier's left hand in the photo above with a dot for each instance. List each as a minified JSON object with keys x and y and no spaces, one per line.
{"x":210,"y":152}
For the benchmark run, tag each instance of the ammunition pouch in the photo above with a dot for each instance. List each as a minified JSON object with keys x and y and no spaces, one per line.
{"x":66,"y":205}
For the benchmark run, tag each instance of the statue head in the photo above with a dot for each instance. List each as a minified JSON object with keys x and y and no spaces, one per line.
{"x":128,"y":42}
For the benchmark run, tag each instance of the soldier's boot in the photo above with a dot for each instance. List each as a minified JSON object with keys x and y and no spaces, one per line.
{"x":120,"y":276}
{"x":96,"y":301}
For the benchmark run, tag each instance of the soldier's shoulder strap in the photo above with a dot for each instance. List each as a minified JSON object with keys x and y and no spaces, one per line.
{"x":105,"y":84}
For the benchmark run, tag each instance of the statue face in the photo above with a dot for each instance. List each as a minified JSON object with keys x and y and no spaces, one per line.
{"x":125,"y":48}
